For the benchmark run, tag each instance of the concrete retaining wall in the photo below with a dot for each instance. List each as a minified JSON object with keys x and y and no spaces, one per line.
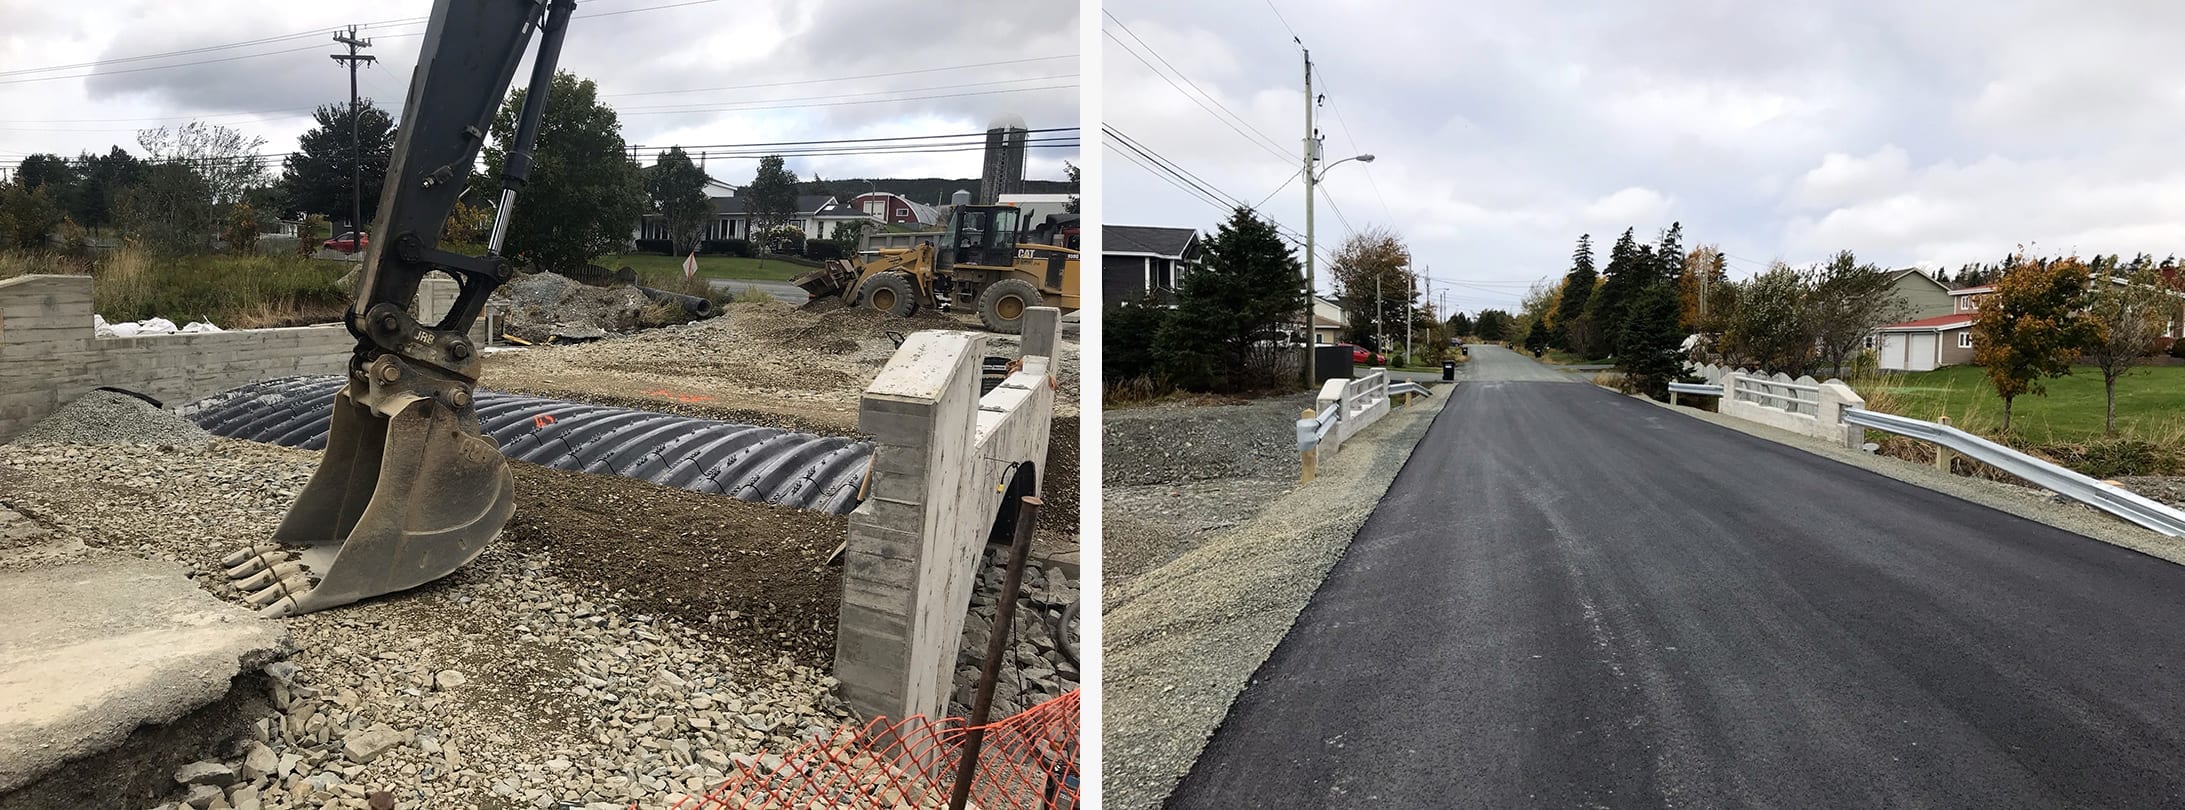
{"x":49,"y":355}
{"x":942,"y":455}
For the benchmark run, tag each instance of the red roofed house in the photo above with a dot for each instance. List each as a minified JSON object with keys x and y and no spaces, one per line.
{"x":1944,"y":340}
{"x":1927,"y":344}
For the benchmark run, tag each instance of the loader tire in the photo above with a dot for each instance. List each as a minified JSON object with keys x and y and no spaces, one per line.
{"x":892,"y":293}
{"x":1002,"y":304}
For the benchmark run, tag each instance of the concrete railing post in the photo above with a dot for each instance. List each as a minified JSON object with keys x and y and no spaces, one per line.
{"x":1832,"y":399}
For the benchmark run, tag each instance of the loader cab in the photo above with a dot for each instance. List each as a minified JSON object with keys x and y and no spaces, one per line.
{"x":982,"y":235}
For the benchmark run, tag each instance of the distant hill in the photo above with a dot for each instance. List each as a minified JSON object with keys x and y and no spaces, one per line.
{"x":928,"y":190}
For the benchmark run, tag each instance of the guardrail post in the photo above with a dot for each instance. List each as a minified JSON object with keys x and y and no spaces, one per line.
{"x":1942,"y":454}
{"x":1308,"y":460}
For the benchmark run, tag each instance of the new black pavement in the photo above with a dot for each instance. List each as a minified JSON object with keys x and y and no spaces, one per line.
{"x":1573,"y":599}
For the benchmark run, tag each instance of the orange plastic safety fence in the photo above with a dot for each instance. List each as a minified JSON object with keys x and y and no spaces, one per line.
{"x":1027,"y":762}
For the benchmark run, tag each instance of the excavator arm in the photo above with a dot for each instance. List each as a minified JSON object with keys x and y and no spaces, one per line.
{"x":408,"y":489}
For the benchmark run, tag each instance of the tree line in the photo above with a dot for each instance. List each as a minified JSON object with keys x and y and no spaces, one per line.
{"x":200,"y":187}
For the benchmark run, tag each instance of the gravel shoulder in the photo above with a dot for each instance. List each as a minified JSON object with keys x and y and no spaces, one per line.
{"x":1181,"y":640}
{"x":1174,"y":474}
{"x":2030,"y":504}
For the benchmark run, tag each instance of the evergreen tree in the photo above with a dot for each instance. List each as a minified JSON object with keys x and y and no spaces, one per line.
{"x":1669,"y":253}
{"x":318,"y":177}
{"x":1536,"y":338}
{"x":584,"y":190}
{"x":1572,"y":331}
{"x":1493,"y":325}
{"x":1244,"y":288}
{"x":1625,"y":276}
{"x":676,"y":188}
{"x":1460,"y":325}
{"x":773,"y":194}
{"x":1650,"y":355}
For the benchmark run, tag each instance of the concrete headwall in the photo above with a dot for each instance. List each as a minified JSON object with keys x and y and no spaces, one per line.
{"x":942,"y":456}
{"x":49,"y":355}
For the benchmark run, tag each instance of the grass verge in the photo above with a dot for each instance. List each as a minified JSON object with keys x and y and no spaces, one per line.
{"x":231,"y":291}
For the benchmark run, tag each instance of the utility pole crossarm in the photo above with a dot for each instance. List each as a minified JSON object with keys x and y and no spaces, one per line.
{"x":356,"y":150}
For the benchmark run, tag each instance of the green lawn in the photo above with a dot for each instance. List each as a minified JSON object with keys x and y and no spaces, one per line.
{"x":734,"y":267}
{"x":2150,"y":402}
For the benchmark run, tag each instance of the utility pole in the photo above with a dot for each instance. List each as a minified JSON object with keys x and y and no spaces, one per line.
{"x":1411,"y":314}
{"x":1312,"y":151}
{"x":356,"y":149}
{"x":1380,"y":334}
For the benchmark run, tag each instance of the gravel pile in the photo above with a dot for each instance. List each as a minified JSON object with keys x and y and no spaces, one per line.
{"x":1036,"y":670}
{"x":1182,"y":640}
{"x":762,"y":362}
{"x":1163,"y":444}
{"x":110,"y":417}
{"x":550,"y":305}
{"x":1176,"y":474}
{"x":503,"y":685}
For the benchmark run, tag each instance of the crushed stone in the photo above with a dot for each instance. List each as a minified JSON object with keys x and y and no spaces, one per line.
{"x":111,"y":417}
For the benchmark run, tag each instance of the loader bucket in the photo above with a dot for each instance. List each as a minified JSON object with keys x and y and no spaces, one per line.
{"x":839,"y":277}
{"x":398,"y":501}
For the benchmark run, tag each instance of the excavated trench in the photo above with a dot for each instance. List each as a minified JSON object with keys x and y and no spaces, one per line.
{"x":751,"y":463}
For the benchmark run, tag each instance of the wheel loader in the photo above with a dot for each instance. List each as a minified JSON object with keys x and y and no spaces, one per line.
{"x":986,"y":261}
{"x":408,"y":490}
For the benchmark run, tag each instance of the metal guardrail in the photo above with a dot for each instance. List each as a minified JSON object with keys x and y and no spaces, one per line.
{"x":1408,"y":387}
{"x":2115,"y":500}
{"x":1707,"y":389}
{"x":1311,"y":431}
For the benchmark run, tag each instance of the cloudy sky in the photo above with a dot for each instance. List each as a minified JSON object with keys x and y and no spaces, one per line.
{"x":1928,"y":133}
{"x":769,"y":72}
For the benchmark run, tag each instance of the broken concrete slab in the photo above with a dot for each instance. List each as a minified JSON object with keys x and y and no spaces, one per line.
{"x":95,"y":649}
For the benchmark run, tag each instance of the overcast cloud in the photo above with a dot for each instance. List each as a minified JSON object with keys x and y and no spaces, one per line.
{"x":1928,"y":133}
{"x":632,"y":56}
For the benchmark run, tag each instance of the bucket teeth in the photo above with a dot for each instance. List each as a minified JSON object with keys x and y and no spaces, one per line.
{"x":271,"y":576}
{"x":244,"y":554}
{"x":291,"y":585}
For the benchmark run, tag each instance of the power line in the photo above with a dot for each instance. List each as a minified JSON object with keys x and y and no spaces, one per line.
{"x":849,"y":78}
{"x":1258,"y":141}
{"x":708,"y":105}
{"x":1347,"y":138}
{"x":262,"y":41}
{"x":1271,"y":142}
{"x":1285,"y":22}
{"x":849,"y":103}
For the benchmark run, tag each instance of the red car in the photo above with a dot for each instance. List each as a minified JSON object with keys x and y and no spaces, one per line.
{"x":1360,"y":356}
{"x":348,"y":243}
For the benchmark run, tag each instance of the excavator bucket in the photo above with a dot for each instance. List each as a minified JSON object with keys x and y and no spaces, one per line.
{"x":404,"y":495}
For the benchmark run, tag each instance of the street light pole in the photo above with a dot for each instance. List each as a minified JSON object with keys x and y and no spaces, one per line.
{"x":1312,"y":150}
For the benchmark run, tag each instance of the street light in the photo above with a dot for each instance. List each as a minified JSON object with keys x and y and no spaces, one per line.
{"x":1312,"y":295}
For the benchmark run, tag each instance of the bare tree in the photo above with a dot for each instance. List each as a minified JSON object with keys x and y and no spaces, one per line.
{"x":225,"y":158}
{"x":2129,"y":314}
{"x":1846,"y":301}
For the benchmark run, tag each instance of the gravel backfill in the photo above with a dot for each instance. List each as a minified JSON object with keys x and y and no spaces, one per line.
{"x":112,"y":417}
{"x":504,"y":685}
{"x":1181,"y":640}
{"x":750,"y":572}
{"x":1165,"y":444}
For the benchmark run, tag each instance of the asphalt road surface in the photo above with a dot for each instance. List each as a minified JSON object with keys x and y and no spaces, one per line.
{"x":1573,"y":599}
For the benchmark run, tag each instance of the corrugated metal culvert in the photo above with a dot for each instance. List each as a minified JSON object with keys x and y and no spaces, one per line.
{"x":752,"y":463}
